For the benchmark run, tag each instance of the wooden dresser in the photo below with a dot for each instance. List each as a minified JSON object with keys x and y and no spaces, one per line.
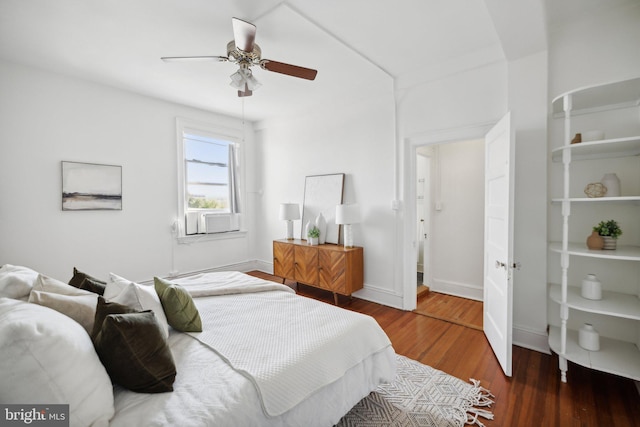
{"x":330,"y":267}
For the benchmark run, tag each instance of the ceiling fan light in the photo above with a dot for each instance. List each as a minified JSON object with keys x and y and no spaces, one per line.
{"x":237,"y":80}
{"x":252,"y":83}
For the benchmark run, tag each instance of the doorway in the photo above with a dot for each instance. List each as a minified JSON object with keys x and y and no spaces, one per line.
{"x":449,"y":201}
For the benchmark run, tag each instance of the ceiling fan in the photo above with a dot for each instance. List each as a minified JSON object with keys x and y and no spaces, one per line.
{"x":243,"y":51}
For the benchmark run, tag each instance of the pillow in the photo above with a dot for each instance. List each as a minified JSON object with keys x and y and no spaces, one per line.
{"x":47,"y":358}
{"x":178,"y":305}
{"x":138,"y":297}
{"x":47,"y":284}
{"x":84,"y":281}
{"x":16,"y":282}
{"x":92,"y":285}
{"x":81,"y":308}
{"x":103,"y":309}
{"x":134,"y":352}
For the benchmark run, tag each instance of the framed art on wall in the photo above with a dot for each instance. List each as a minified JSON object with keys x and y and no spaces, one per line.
{"x":322,"y":193}
{"x":90,"y":186}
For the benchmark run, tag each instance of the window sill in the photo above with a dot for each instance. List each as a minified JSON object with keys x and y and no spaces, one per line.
{"x":195,"y":238}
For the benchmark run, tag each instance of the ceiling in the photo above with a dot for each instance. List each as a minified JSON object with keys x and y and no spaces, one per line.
{"x":355,"y":45}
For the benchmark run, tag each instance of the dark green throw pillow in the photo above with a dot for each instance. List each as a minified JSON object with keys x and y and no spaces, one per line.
{"x":182,"y":313}
{"x":78,"y":279}
{"x":105,"y":308}
{"x":93,"y":285}
{"x":132,"y":348}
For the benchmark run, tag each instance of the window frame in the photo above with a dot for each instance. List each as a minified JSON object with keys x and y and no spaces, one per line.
{"x":231,"y":135}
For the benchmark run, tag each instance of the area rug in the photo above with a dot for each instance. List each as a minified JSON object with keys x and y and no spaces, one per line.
{"x":421,"y":396}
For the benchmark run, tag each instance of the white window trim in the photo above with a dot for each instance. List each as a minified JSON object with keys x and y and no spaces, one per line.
{"x":218,"y":132}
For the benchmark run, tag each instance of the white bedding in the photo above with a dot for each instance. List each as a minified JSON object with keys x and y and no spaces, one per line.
{"x":208,"y":391}
{"x":288,"y":346}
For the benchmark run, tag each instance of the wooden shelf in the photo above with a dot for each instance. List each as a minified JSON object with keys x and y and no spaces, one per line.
{"x":615,"y":356}
{"x":603,"y":149}
{"x":628,"y":253}
{"x":614,"y":304}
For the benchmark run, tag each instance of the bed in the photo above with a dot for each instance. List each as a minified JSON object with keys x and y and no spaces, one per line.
{"x":263,"y":357}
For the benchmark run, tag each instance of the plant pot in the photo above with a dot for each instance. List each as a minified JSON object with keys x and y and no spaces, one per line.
{"x":595,"y":241}
{"x":313,"y":241}
{"x":609,"y":243}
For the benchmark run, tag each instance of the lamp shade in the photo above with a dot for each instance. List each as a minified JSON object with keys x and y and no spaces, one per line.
{"x":289,"y":211}
{"x":347,"y":214}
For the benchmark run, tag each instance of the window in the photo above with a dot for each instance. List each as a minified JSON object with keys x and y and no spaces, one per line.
{"x":208,"y":167}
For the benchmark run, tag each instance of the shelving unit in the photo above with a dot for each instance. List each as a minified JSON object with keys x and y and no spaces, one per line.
{"x":615,"y":356}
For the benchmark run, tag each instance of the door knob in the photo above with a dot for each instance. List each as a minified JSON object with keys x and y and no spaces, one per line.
{"x":501,"y":265}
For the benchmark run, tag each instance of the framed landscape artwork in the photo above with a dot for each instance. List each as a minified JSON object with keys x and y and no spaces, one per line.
{"x":89,"y":186}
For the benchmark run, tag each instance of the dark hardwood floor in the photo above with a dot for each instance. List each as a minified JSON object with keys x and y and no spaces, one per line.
{"x":533,"y":396}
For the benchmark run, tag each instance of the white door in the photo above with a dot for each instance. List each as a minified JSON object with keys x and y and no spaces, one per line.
{"x":498,"y":240}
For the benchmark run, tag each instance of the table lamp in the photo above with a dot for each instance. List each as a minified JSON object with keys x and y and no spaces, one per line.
{"x":289,"y":212}
{"x":347,"y":215}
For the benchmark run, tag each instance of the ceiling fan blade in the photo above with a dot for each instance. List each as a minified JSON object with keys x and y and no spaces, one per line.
{"x":244,"y":34}
{"x":195,"y":58}
{"x":288,"y":69}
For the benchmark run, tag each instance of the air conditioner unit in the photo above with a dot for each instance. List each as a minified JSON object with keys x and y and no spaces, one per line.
{"x":217,"y":223}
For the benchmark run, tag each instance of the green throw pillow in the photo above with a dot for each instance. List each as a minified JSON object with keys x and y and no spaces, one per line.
{"x":93,"y":285}
{"x":134,"y":353}
{"x":78,"y":280}
{"x":182,"y":313}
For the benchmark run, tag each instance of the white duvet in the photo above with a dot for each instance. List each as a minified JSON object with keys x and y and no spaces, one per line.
{"x":211,"y":391}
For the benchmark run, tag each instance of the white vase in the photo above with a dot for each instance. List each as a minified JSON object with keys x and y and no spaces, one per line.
{"x":612,"y":182}
{"x":588,"y":338}
{"x":321,"y":224}
{"x":591,"y":287}
{"x":306,"y":230}
{"x":313,"y":241}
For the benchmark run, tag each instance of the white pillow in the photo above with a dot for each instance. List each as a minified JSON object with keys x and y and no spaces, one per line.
{"x":47,"y":284}
{"x":16,"y":281}
{"x":47,"y":358}
{"x":138,"y":297}
{"x":81,"y":308}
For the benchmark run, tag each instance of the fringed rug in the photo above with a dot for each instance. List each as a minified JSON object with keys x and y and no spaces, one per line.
{"x":421,"y":396}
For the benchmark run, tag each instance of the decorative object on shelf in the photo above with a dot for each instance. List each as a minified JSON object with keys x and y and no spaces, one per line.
{"x":612,"y":182}
{"x":312,"y":235}
{"x":289,"y":212}
{"x":577,"y":139}
{"x":595,"y":189}
{"x":321,"y":224}
{"x":592,"y":135}
{"x":347,"y":215}
{"x":595,"y":241}
{"x":307,"y":227}
{"x":589,"y":338}
{"x":591,"y":288}
{"x":610,"y":231}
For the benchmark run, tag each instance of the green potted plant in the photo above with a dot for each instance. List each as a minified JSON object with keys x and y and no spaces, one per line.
{"x":609,"y":231}
{"x":313,"y":235}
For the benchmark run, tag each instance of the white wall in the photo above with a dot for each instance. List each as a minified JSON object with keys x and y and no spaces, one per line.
{"x":46,"y":118}
{"x":457,"y":228}
{"x":356,"y":138}
{"x":528,"y":103}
